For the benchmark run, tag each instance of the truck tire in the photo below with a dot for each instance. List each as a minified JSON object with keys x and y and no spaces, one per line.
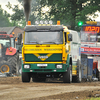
{"x":67,"y":76}
{"x":25,"y":77}
{"x":5,"y":67}
{"x":98,"y":75}
{"x":78,"y":77}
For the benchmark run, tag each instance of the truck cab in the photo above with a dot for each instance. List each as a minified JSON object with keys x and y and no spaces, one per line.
{"x":44,"y":53}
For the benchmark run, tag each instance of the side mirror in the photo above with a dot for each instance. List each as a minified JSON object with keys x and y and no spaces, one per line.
{"x":69,"y":37}
{"x":65,"y":37}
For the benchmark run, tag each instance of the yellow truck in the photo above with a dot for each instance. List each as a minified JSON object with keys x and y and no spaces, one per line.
{"x":46,"y":53}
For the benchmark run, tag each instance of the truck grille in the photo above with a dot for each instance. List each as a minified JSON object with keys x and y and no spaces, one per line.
{"x":52,"y":58}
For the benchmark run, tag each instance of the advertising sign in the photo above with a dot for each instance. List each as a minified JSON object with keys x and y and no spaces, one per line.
{"x":92,"y":28}
{"x":88,"y":44}
{"x":90,"y":50}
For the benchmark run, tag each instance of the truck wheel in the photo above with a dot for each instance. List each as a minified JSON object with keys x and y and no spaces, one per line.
{"x":67,"y":76}
{"x":78,"y":77}
{"x":98,"y":75}
{"x":25,"y":77}
{"x":5,"y":67}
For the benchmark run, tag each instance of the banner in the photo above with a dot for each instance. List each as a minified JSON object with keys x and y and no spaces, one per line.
{"x":88,"y":44}
{"x":90,"y":50}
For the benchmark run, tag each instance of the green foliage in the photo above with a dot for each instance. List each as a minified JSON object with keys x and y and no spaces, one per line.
{"x":69,"y":12}
{"x":4,"y":21}
{"x":17,"y":18}
{"x":35,"y":10}
{"x":94,"y":99}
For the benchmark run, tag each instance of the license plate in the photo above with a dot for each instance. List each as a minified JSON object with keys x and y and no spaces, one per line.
{"x":41,"y":65}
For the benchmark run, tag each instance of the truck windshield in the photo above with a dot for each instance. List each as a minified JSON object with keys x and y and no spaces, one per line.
{"x":88,"y":36}
{"x":43,"y":38}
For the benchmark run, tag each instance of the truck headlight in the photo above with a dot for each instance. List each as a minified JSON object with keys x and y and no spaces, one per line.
{"x":58,"y":66}
{"x":26,"y":66}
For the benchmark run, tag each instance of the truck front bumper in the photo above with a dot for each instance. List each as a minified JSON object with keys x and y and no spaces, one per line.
{"x":39,"y":68}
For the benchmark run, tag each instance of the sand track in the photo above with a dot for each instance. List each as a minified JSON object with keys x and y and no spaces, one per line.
{"x":11,"y":88}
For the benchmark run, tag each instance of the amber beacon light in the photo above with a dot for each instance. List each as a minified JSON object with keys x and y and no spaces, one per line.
{"x":58,"y":22}
{"x":29,"y":23}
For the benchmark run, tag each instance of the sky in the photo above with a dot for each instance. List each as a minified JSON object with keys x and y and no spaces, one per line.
{"x":14,"y":2}
{"x":5,"y":2}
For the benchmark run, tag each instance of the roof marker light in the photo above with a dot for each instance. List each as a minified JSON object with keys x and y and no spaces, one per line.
{"x":36,"y":22}
{"x":46,"y":22}
{"x":51,"y":22}
{"x":41,"y":22}
{"x":91,"y":22}
{"x":16,"y":39}
{"x":58,"y":22}
{"x":29,"y":23}
{"x":13,"y":33}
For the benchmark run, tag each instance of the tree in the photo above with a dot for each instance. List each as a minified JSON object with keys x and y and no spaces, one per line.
{"x":4,"y":21}
{"x":36,"y":10}
{"x":69,"y":12}
{"x":17,"y":18}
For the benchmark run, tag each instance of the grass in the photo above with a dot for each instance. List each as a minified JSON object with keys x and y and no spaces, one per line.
{"x":94,"y":99}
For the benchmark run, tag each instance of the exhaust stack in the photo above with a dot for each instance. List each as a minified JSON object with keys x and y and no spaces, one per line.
{"x":27,"y":9}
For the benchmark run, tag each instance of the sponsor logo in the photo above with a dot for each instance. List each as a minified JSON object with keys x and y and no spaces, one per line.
{"x":42,"y":57}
